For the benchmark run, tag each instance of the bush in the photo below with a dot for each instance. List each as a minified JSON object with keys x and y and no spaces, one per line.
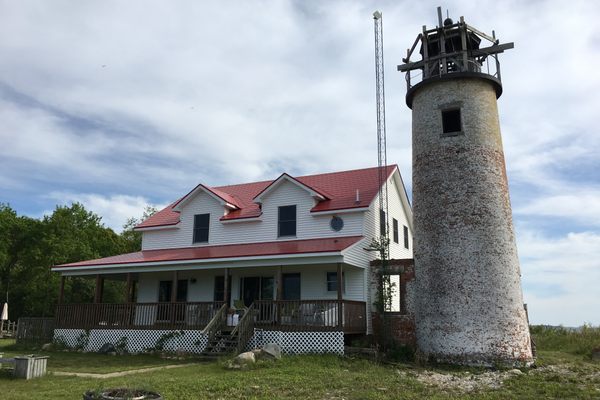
{"x":579,"y":341}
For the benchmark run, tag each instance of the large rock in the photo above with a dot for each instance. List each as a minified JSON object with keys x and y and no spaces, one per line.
{"x":107,"y":348}
{"x":272,"y":350}
{"x":47,"y":347}
{"x":242,"y":360}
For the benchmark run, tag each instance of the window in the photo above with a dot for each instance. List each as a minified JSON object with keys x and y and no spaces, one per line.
{"x":382,"y":223}
{"x":332,"y":282}
{"x":451,"y":121}
{"x":219,"y":289}
{"x":395,"y":226}
{"x":165,"y":289}
{"x":254,"y":288}
{"x":201,"y":222}
{"x":405,"y":236}
{"x":290,"y":286}
{"x":287,"y":221}
{"x":391,"y":289}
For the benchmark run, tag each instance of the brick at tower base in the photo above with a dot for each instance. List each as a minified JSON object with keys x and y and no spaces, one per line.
{"x":469,"y":305}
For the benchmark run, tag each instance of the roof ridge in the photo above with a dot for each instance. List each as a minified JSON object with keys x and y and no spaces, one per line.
{"x":302,"y":176}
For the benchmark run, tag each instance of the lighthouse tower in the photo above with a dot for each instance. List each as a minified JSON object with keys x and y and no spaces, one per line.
{"x":470,"y":304}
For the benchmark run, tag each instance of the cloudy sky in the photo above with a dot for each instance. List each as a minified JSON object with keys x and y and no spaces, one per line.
{"x":119,"y":104}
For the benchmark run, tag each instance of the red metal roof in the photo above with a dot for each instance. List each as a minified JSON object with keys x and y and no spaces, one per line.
{"x":323,"y":245}
{"x":340,"y":189}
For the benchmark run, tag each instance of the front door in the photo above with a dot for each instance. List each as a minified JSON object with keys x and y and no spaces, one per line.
{"x":257,"y":288}
{"x":167,"y":311}
{"x":250,"y":290}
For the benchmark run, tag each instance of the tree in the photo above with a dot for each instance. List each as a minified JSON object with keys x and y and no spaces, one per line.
{"x":133,"y":239}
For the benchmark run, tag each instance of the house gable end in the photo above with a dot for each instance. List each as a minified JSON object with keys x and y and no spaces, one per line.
{"x":319,"y":195}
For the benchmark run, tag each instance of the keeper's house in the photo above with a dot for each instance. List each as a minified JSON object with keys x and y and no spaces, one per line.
{"x":284,"y":261}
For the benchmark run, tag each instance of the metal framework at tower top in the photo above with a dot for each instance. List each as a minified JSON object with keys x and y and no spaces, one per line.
{"x":452,"y":49}
{"x":381,"y":134}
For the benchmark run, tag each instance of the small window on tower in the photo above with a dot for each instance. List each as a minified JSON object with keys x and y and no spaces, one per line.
{"x":451,"y":122}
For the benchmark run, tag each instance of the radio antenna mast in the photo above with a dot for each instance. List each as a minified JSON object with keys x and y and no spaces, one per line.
{"x":381,"y":139}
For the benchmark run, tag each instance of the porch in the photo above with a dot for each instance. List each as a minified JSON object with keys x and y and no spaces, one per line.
{"x":347,"y":316}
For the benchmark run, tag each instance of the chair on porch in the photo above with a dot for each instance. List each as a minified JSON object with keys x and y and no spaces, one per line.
{"x":307,"y":314}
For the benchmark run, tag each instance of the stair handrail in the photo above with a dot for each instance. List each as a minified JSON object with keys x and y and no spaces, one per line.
{"x":244,"y":329}
{"x":216,"y":323}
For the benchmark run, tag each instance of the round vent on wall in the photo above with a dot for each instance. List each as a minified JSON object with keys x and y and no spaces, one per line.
{"x":337,"y":223}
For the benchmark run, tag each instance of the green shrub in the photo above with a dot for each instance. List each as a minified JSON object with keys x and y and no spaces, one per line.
{"x":579,"y":341}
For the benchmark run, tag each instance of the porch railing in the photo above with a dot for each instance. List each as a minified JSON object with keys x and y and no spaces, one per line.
{"x":136,"y":315}
{"x":311,"y":315}
{"x":245,"y":328}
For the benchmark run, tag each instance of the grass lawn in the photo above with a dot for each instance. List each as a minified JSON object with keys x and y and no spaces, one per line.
{"x":560,"y":374}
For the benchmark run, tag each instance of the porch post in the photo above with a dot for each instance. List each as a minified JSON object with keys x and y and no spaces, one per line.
{"x":99,"y":289}
{"x":226,"y":287}
{"x":278,"y":292}
{"x":61,"y":290}
{"x":128,"y":298}
{"x":174,"y":288}
{"x":339,"y":296}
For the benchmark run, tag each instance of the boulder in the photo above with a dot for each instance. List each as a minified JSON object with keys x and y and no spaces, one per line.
{"x":242,"y":360}
{"x":272,"y":350}
{"x":107,"y":348}
{"x":47,"y":347}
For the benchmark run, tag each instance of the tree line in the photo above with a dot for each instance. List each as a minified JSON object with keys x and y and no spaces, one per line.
{"x":29,"y":247}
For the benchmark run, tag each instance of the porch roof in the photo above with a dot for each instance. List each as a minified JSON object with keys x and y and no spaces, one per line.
{"x":296,"y":247}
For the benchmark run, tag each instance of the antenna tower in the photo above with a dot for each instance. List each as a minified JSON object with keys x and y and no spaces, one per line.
{"x":381,"y":140}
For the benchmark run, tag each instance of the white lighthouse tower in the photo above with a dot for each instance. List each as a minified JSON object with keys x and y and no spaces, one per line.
{"x":469,"y":303}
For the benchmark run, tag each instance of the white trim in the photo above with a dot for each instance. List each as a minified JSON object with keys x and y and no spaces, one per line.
{"x":158,"y":227}
{"x":340,"y":211}
{"x":323,"y":258}
{"x":192,"y":194}
{"x":403,"y":197}
{"x":291,"y":179}
{"x":199,"y":261}
{"x":235,"y":220}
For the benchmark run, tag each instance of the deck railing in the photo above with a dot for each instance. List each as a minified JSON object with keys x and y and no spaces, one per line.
{"x":311,"y":315}
{"x":287,"y":315}
{"x":136,"y":315}
{"x":245,"y":328}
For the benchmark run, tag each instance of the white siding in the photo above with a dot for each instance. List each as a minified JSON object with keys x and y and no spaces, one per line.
{"x":313,"y":282}
{"x":395,"y":210}
{"x":265,"y":230}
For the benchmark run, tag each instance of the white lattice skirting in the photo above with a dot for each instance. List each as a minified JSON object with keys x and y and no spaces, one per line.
{"x":138,"y":341}
{"x":300,"y":342}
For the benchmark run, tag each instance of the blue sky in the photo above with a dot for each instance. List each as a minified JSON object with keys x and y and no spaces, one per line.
{"x":121,"y":104}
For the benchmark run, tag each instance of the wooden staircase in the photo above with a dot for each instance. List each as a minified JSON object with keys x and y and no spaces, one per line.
{"x":221,"y":344}
{"x":224,"y":340}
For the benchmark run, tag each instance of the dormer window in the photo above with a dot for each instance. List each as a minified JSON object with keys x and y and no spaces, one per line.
{"x":201,"y":223}
{"x":287,"y":221}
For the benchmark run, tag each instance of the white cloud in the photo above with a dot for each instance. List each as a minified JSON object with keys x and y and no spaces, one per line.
{"x":115,"y":210}
{"x":582,"y":206}
{"x":559,"y":277}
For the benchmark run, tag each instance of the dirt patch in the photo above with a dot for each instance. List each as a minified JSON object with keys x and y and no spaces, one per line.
{"x":462,"y":381}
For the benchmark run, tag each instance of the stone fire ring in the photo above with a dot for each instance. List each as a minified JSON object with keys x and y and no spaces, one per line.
{"x":121,"y":394}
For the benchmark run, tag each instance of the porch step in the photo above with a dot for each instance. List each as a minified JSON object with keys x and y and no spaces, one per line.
{"x":222,"y":344}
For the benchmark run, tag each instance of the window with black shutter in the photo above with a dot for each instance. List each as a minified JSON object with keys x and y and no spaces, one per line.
{"x":396,"y":233}
{"x":201,"y":223}
{"x":406,"y":237}
{"x":287,"y":221}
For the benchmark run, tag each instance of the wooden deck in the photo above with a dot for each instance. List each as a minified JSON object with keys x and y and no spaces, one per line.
{"x":287,"y":315}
